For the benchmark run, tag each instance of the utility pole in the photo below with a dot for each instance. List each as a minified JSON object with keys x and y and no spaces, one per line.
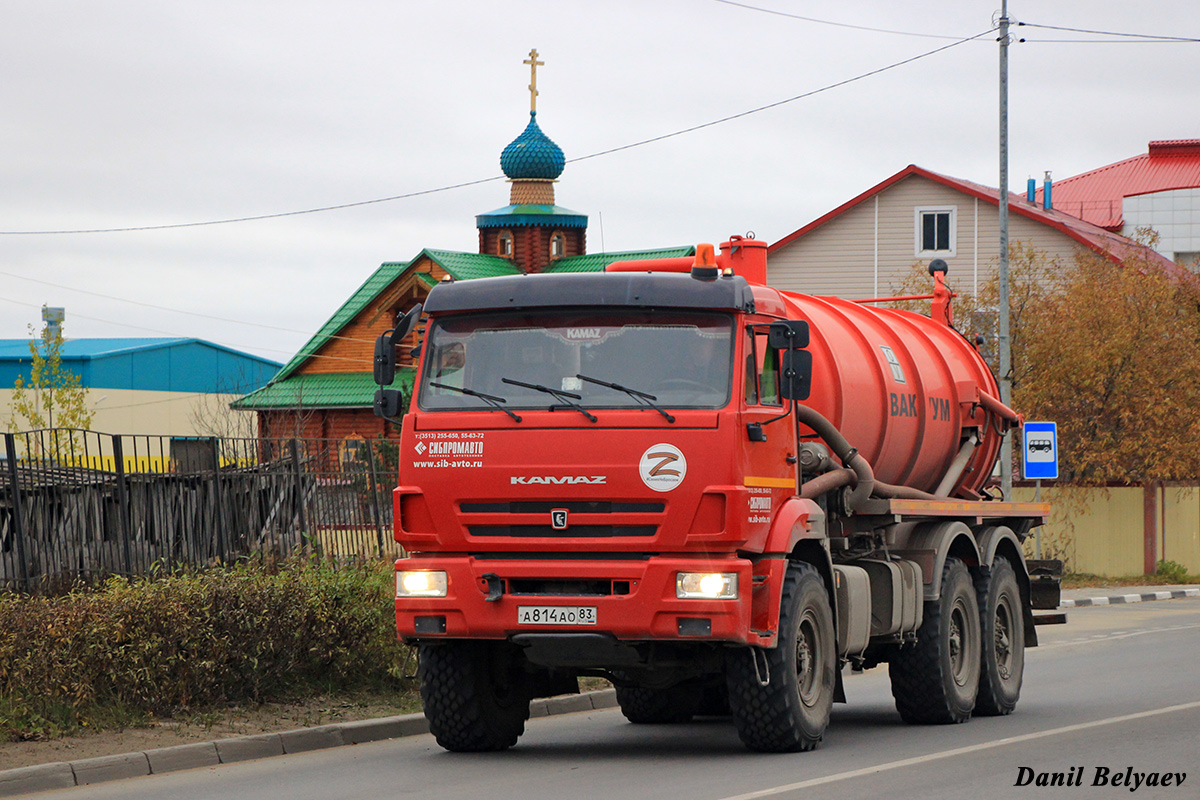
{"x":1006,"y":448}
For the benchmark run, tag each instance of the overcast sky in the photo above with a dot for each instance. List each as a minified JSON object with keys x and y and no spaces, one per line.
{"x":125,"y":114}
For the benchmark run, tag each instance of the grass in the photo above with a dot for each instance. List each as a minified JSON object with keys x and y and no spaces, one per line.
{"x":1168,"y":573}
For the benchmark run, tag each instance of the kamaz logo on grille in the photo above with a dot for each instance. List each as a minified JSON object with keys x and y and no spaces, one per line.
{"x":558,"y":519}
{"x":526,"y":480}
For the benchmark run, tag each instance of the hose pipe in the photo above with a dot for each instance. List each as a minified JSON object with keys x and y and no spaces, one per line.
{"x":850,"y":456}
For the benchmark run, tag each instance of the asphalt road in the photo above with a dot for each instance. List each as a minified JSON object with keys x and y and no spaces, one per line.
{"x":1116,"y":688}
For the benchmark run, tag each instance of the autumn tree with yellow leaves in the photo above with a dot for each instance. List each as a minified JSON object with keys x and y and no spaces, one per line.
{"x":52,"y":396}
{"x":1108,"y":350}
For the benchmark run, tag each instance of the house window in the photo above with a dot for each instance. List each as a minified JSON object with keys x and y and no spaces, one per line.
{"x":936,"y":232}
{"x":558,"y":245}
{"x":504,"y":245}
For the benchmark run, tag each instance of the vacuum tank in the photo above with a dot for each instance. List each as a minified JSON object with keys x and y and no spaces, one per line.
{"x":907,"y":391}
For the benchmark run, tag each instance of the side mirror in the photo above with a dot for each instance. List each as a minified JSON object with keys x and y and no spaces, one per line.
{"x":385,"y":360}
{"x":788,"y":334}
{"x":385,"y":346}
{"x":389,"y":403}
{"x":796,"y":370}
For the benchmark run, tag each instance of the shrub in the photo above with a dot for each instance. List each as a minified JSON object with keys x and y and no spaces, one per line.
{"x":1172,"y":572}
{"x":140,"y":647}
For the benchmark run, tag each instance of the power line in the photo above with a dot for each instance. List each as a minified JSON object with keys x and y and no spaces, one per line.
{"x":1024,"y":40}
{"x":1149,"y":37}
{"x":258,"y":217}
{"x":835,"y":24}
{"x":214,"y":341}
{"x":778,"y":103}
{"x":172,"y":311}
{"x":147,"y":305}
{"x":464,"y":184}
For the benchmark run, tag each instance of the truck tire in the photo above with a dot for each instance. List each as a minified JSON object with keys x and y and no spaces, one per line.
{"x":658,"y":706}
{"x":475,"y":695}
{"x":936,"y":680}
{"x":1002,"y":628}
{"x":790,"y":713}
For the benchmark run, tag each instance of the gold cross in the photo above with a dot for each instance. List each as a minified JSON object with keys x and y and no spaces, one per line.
{"x":533,"y":63}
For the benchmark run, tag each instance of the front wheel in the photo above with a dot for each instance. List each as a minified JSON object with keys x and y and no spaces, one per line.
{"x":781,"y":698}
{"x":1003,"y":635}
{"x":475,"y":694}
{"x":936,"y":679}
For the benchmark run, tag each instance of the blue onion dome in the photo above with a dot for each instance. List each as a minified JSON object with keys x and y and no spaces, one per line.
{"x":532,"y":156}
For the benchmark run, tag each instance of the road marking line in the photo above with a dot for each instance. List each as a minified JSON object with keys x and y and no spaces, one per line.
{"x":959,"y":751}
{"x":1106,"y":637}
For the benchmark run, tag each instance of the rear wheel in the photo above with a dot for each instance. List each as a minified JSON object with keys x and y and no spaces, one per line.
{"x":781,"y":698}
{"x":936,"y":679}
{"x":658,"y":706}
{"x":475,"y":694}
{"x":1003,"y":638}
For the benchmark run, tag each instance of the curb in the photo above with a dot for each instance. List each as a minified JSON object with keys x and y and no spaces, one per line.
{"x":1120,"y":599}
{"x":65,"y":774}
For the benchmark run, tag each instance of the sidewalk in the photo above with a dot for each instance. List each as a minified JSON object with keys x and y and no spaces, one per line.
{"x":1106,"y":596}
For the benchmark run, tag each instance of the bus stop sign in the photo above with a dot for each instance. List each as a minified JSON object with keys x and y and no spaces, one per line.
{"x":1041,"y":451}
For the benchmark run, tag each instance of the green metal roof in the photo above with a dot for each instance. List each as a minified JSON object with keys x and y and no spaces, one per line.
{"x":387,"y":272}
{"x":463,"y":266}
{"x":468,"y":266}
{"x":322,"y":390}
{"x":596,"y":262}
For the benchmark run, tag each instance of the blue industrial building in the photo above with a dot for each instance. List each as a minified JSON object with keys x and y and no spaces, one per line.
{"x":167,"y":387}
{"x":162,"y":365}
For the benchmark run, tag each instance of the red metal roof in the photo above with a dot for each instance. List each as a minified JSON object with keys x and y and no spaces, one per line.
{"x":1113,"y":245}
{"x":1096,"y":196}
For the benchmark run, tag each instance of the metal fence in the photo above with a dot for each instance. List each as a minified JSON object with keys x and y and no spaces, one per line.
{"x":79,"y":504}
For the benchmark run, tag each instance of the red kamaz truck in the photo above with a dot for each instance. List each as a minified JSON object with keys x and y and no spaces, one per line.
{"x":711,"y":492}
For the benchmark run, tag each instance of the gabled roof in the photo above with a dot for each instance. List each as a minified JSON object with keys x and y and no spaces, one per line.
{"x":462,"y":266}
{"x":468,"y":266}
{"x":380,"y":278}
{"x":322,"y":390}
{"x":1091,"y":236}
{"x":1096,"y":196}
{"x":596,"y":262}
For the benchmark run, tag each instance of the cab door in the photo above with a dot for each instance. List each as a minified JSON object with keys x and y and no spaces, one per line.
{"x":768,"y":437}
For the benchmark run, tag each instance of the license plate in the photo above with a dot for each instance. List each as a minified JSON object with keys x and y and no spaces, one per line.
{"x":556,"y":615}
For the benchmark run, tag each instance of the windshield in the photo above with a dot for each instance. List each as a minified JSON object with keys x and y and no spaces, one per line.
{"x":671,"y":359}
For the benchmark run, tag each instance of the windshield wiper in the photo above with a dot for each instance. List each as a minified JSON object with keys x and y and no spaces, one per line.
{"x":563,"y":397}
{"x":487,"y":398}
{"x":641,"y":397}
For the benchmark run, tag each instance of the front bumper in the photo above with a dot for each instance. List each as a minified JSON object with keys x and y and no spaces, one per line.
{"x":635,"y":599}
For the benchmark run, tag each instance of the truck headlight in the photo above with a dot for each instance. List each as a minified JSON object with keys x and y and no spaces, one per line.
{"x":421,"y":583}
{"x":706,"y":585}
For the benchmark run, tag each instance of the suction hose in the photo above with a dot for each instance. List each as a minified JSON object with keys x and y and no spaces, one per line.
{"x":864,"y":477}
{"x":858,"y":472}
